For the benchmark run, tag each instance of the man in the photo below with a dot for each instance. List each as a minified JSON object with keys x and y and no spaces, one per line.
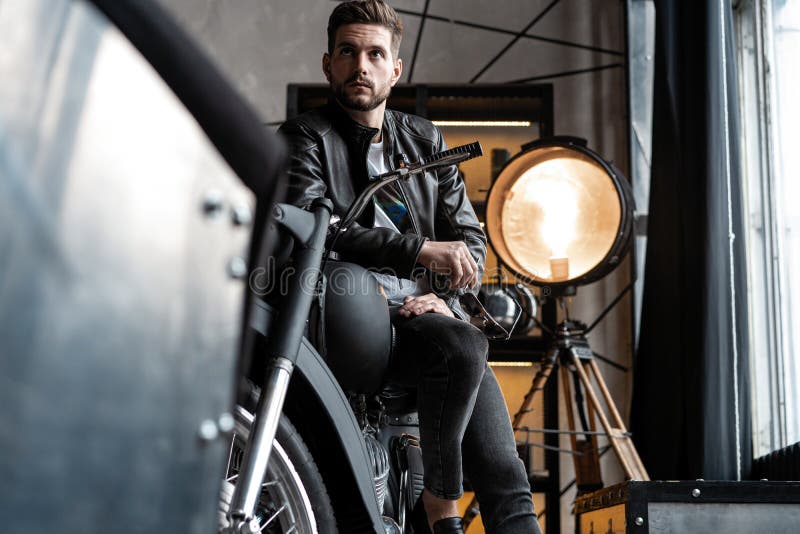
{"x":426,"y":223}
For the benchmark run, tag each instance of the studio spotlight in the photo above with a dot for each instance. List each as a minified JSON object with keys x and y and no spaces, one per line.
{"x":559,"y":216}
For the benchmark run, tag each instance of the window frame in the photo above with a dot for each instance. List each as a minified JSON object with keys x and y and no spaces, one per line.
{"x":765,"y":256}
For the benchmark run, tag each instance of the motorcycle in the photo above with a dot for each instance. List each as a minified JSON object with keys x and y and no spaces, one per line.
{"x":316,"y":450}
{"x":125,"y":157}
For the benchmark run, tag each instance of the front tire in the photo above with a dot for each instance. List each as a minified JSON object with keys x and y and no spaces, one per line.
{"x":293,"y":497}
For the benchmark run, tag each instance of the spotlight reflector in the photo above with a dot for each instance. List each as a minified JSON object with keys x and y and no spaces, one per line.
{"x":559,"y":215}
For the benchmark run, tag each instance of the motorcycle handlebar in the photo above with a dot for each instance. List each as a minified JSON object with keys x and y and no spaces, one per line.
{"x":440,"y":159}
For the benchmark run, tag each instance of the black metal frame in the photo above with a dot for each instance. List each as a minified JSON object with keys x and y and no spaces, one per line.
{"x":516,"y":38}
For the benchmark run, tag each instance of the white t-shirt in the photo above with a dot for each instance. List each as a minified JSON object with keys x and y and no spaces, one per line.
{"x":396,"y":288}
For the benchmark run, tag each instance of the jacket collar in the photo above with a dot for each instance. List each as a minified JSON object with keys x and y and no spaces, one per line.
{"x":359,"y":136}
{"x":346,"y":124}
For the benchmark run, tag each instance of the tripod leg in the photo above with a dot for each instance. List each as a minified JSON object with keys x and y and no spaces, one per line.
{"x":620,"y":441}
{"x":565,"y":385}
{"x":606,"y":394}
{"x":537,"y":385}
{"x":586,"y":457}
{"x":634,"y":455}
{"x":593,"y":427}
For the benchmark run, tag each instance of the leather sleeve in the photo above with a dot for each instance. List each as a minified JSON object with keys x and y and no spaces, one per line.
{"x":381,"y":248}
{"x":455,"y":212}
{"x":306,"y":181}
{"x":378,"y":248}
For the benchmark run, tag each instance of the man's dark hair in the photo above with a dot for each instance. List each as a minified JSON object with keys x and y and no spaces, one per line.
{"x":366,"y":12}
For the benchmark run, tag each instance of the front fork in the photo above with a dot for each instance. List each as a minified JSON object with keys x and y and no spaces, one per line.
{"x":309,"y":229}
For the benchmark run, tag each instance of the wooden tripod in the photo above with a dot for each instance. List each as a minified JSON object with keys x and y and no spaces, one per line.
{"x":570,"y":352}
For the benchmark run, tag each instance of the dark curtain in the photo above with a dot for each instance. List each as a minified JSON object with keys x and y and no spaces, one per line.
{"x":691,"y":409}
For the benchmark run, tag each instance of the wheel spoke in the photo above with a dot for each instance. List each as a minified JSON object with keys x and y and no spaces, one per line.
{"x":272,"y":517}
{"x":230,"y":453}
{"x":282,"y":490}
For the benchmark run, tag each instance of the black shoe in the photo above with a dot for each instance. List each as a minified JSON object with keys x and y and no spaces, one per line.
{"x":448,"y":525}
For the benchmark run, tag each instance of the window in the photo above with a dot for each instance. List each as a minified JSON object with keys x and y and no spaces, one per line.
{"x":768,"y":34}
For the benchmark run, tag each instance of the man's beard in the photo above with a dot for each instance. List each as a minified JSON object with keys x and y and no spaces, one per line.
{"x":357,"y":103}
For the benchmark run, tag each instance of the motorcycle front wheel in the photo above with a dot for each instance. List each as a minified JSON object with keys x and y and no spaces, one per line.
{"x":293,"y":496}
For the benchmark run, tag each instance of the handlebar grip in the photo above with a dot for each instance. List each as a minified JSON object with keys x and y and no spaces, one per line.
{"x":458,"y":154}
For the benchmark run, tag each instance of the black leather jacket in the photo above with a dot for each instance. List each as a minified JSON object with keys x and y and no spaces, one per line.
{"x":329,"y":158}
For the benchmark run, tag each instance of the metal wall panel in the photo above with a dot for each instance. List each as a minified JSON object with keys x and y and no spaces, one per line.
{"x":119,"y":314}
{"x":680,"y":518}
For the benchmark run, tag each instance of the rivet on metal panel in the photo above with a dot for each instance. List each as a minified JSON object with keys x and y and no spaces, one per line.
{"x":237,"y":268}
{"x":695,"y":493}
{"x":241,"y":215}
{"x":208,"y":430}
{"x":639,"y":521}
{"x":212,"y":202}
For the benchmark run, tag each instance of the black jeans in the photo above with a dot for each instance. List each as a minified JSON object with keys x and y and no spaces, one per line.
{"x":463,"y":420}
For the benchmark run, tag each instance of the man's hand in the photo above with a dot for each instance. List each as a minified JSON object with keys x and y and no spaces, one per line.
{"x":451,"y":258}
{"x":430,"y":303}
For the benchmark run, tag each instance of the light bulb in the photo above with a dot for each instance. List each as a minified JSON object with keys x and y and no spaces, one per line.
{"x":557,"y":199}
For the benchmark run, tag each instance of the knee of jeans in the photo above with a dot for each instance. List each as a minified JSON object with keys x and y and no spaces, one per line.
{"x":469,"y":348}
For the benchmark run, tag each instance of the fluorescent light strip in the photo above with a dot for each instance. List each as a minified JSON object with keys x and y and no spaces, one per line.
{"x":483,"y":123}
{"x":511,"y":364}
